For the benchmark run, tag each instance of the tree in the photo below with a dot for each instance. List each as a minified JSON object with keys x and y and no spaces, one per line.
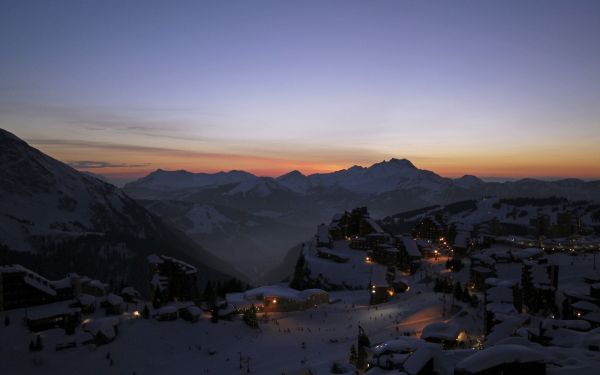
{"x":6,"y":321}
{"x":214,"y":317}
{"x":157,"y":298}
{"x":364,"y":345}
{"x":250,"y":317}
{"x":38,"y":343}
{"x":301,"y":273}
{"x":353,"y":355}
{"x":458,"y":291}
{"x":210,"y":295}
{"x":337,"y":369}
{"x":146,"y":312}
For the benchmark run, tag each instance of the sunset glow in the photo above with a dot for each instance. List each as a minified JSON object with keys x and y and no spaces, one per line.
{"x":457,"y":88}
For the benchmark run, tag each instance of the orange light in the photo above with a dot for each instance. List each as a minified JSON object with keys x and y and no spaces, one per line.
{"x":274,"y":300}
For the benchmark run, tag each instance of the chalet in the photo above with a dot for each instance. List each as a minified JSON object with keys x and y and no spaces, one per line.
{"x":478,"y":275}
{"x":441,"y":333}
{"x":381,"y":293}
{"x":502,"y":299}
{"x":552,"y":331}
{"x":386,"y":254}
{"x":113,"y":304}
{"x":58,"y":314}
{"x":377,"y":239}
{"x":129,"y":294}
{"x":87,"y":303}
{"x":359,"y":243}
{"x":191,"y":313}
{"x":336,"y":256}
{"x":166,"y":313}
{"x":104,"y":330}
{"x":176,"y":280}
{"x":323,"y":238}
{"x":503,"y":359}
{"x":539,"y":283}
{"x":94,"y":287}
{"x":274,"y":298}
{"x":405,"y":354}
{"x":430,"y":228}
{"x":462,"y":242}
{"x":410,"y":256}
{"x":21,"y":287}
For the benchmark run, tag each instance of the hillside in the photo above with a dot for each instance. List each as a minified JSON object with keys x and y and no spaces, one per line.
{"x":58,"y":220}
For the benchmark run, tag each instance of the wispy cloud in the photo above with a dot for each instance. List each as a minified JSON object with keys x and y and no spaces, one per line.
{"x":88,"y":164}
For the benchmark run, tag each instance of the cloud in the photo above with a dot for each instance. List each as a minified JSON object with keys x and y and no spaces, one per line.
{"x":88,"y":164}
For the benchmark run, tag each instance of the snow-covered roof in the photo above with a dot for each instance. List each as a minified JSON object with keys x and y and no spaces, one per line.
{"x":461,"y":239}
{"x":106,"y":326}
{"x":130,"y":291}
{"x":415,"y":363}
{"x":169,"y":309}
{"x":323,"y":234}
{"x":483,"y":259}
{"x":585,"y":306}
{"x":399,"y":345}
{"x":482,"y":269}
{"x":114,"y":299}
{"x":497,"y":355}
{"x":98,"y":284}
{"x":527,"y":253}
{"x":278,"y":291}
{"x":376,"y":227}
{"x":593,"y":316}
{"x":154,"y":259}
{"x":411,"y":247}
{"x":440,"y":330}
{"x":86,"y":299}
{"x":501,"y":308}
{"x":194,"y":310}
{"x":499,"y":294}
{"x":580,"y":325}
{"x":51,"y":310}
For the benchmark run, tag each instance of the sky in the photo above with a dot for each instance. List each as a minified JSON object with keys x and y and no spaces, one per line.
{"x":122,"y":88}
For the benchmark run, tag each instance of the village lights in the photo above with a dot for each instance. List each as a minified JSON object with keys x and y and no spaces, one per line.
{"x":275,"y":300}
{"x":136,"y":314}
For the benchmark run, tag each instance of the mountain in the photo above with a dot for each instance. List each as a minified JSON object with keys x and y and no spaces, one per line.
{"x":292,"y":204}
{"x":58,"y":220}
{"x":514,"y":214}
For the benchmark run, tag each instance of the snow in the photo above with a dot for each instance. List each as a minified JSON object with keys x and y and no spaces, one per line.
{"x":169,"y":309}
{"x":279,"y":291}
{"x":206,"y":219}
{"x":411,"y":247}
{"x":440,"y":330}
{"x":114,"y":300}
{"x":50,"y":310}
{"x":498,"y":355}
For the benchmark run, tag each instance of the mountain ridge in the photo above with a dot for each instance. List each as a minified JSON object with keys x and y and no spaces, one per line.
{"x":75,"y":222}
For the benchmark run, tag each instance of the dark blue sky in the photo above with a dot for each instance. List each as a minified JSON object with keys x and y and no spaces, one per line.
{"x":494,"y":88}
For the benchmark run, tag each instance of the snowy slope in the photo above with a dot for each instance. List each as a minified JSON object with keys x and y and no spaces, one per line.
{"x":48,"y":208}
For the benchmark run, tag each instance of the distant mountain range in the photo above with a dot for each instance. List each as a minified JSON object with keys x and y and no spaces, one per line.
{"x":58,"y":220}
{"x":251,"y":221}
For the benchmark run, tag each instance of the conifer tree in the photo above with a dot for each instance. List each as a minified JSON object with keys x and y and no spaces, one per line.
{"x":353,"y":355}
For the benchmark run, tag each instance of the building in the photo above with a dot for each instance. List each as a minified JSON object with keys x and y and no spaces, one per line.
{"x":539,"y":283}
{"x":441,"y":333}
{"x":275,"y":298}
{"x":21,"y":287}
{"x":503,"y":359}
{"x":410,"y":256}
{"x":323,"y":238}
{"x":53,"y":315}
{"x":174,"y":279}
